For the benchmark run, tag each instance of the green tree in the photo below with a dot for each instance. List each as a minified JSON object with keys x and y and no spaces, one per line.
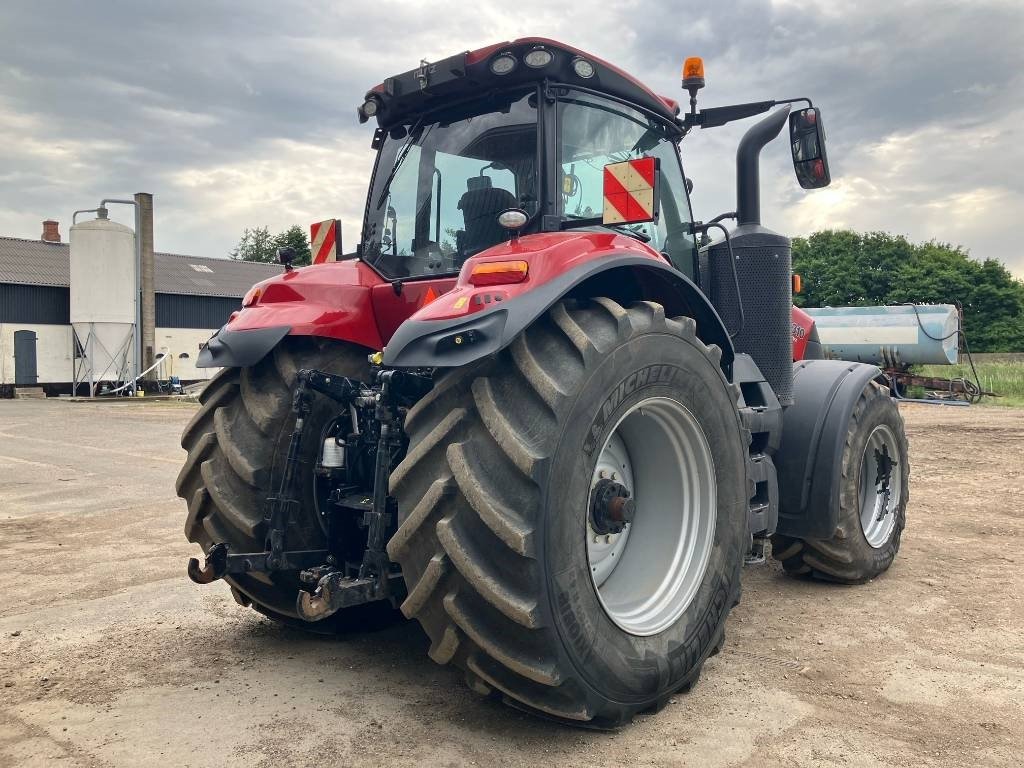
{"x":295,"y":236}
{"x":255,"y":245}
{"x":259,"y":245}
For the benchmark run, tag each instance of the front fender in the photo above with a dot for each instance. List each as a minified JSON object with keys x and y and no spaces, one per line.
{"x":810,"y":457}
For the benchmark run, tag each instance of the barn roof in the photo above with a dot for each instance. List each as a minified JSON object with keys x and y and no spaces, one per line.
{"x":34,"y":262}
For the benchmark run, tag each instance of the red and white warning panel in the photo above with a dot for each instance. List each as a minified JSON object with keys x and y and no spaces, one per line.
{"x":325,"y":240}
{"x":630,"y":193}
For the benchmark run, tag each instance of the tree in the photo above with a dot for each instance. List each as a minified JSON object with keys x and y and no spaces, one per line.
{"x":255,"y":245}
{"x":843,"y":268}
{"x":259,"y":245}
{"x":295,"y":236}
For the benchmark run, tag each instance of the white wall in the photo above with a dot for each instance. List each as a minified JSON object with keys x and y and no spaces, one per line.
{"x":53,"y":352}
{"x":175,"y":342}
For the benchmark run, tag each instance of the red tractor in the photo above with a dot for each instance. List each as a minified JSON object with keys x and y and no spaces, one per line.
{"x":536,"y":408}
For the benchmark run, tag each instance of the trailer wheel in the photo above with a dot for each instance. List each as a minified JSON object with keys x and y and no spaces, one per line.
{"x":237,"y":443}
{"x":573,"y":513}
{"x":872,"y":499}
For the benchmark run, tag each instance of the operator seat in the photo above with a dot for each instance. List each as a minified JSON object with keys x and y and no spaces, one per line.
{"x":480,"y":206}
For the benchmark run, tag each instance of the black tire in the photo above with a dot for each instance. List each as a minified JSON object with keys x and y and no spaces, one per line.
{"x":847,"y":557}
{"x":237,"y":443}
{"x":493,"y":497}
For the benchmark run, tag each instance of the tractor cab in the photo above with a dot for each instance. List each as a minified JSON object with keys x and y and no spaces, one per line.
{"x":537,"y":140}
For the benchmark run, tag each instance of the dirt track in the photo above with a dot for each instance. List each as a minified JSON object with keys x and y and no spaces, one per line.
{"x":110,"y":656}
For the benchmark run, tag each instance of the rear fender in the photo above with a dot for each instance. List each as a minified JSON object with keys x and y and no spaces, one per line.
{"x":331,"y":300}
{"x":461,"y":339}
{"x":809,"y":460}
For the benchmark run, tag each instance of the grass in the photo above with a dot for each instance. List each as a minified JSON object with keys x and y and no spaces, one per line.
{"x":1005,"y":377}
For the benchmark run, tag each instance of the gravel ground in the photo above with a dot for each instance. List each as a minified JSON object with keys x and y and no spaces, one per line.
{"x":110,"y":656}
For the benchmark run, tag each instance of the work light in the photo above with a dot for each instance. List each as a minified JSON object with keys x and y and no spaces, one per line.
{"x":538,"y":57}
{"x":503,"y":64}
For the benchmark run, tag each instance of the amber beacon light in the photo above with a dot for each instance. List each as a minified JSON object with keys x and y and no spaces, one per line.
{"x":693,"y":73}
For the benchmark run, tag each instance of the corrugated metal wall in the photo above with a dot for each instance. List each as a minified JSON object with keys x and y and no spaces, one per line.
{"x":51,"y":305}
{"x":35,"y":304}
{"x":182,"y":311}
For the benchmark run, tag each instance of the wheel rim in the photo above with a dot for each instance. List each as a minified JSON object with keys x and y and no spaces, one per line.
{"x":881,"y":484}
{"x":648,"y":574}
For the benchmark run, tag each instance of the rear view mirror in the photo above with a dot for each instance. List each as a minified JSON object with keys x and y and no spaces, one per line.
{"x":807,"y":140}
{"x":631,"y":191}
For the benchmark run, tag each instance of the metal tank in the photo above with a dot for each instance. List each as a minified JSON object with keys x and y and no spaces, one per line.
{"x":103,"y":296}
{"x":891,"y":337}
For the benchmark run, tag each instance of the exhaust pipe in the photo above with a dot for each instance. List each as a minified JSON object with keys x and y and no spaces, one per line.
{"x":748,"y":177}
{"x":759,"y":318}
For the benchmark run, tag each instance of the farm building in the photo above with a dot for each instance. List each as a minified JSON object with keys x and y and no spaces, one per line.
{"x":193,"y":296}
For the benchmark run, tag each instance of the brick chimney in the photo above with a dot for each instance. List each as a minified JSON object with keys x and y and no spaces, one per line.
{"x":51,"y":231}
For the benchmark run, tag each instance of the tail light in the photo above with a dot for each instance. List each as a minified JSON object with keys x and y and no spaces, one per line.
{"x":498,"y":273}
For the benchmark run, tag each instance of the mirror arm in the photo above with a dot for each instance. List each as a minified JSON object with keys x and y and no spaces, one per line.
{"x":714,"y":117}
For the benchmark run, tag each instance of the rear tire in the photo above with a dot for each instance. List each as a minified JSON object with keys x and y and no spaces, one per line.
{"x":494,"y":496}
{"x":237,"y":443}
{"x":867,"y":537}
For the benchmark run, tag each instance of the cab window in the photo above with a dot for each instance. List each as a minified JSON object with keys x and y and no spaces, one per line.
{"x":595,"y":131}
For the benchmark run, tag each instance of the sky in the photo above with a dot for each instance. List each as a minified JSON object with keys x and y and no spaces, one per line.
{"x":240,"y":115}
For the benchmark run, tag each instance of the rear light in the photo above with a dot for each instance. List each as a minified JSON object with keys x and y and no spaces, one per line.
{"x":798,"y":283}
{"x":498,"y":273}
{"x":252,"y":296}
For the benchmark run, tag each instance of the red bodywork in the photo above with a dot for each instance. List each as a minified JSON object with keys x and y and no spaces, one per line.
{"x":347,"y":300}
{"x":803,"y":324}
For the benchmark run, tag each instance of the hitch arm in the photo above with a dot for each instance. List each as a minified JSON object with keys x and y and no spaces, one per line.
{"x":220,"y":562}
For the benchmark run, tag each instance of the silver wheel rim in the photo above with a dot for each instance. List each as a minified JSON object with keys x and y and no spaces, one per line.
{"x":647,"y":575}
{"x":881,"y":484}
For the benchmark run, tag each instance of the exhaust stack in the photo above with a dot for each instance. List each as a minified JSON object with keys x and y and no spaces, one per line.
{"x":748,"y":176}
{"x":763,"y":264}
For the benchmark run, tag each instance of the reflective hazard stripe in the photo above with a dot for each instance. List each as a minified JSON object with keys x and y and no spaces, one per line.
{"x":629,"y":191}
{"x":323,"y":241}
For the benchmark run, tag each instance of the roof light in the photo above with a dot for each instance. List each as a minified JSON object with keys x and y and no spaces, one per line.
{"x":498,"y":273}
{"x":538,"y":57}
{"x":583,"y":68}
{"x":503,"y":64}
{"x":370,"y":107}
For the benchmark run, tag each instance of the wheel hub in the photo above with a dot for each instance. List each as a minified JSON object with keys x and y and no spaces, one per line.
{"x":611,"y":508}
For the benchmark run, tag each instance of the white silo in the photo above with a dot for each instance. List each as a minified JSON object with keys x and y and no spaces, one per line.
{"x":103,"y":297}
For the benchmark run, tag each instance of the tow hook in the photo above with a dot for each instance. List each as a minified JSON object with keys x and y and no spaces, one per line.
{"x":611,"y":507}
{"x":215,"y":566}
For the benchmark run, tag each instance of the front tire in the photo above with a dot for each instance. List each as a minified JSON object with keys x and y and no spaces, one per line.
{"x":872,"y":499}
{"x":494,"y":498}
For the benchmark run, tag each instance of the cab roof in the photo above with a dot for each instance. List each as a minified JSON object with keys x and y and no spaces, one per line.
{"x":402,"y":97}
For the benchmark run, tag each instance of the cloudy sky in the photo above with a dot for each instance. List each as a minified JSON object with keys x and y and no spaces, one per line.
{"x":238,"y":114}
